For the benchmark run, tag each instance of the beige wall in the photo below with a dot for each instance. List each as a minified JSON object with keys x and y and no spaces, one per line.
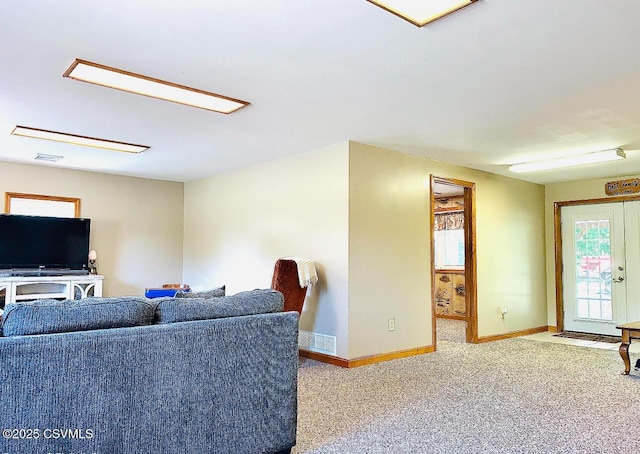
{"x":362,"y":214}
{"x":389,"y":258}
{"x":136,"y":224}
{"x":563,"y":192}
{"x":510,"y":250}
{"x":239,"y":223}
{"x":511,"y":254}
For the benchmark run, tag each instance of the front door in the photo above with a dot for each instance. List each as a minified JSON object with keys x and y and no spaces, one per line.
{"x":601,"y":256}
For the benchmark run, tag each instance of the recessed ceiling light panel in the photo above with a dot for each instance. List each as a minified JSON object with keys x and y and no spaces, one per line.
{"x":74,"y":139}
{"x":135,"y":83}
{"x":421,"y":12}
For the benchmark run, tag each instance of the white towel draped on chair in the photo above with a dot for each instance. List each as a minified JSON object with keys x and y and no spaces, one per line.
{"x":307,"y":274}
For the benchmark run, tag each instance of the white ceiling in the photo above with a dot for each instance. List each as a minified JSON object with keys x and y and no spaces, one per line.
{"x":497,"y":83}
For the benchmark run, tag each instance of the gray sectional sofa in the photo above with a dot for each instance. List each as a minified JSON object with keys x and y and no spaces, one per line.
{"x":137,"y":375}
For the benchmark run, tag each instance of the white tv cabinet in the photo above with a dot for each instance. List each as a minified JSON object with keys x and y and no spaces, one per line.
{"x":26,"y":288}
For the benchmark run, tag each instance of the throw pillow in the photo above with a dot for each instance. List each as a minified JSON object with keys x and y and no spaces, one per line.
{"x":47,"y":316}
{"x":261,"y":301}
{"x":215,"y":293}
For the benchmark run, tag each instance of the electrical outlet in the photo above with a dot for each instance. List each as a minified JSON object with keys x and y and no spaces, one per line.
{"x":392,"y":324}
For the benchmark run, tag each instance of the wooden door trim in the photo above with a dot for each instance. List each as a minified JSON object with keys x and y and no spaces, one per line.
{"x":557,"y":241}
{"x":470,"y":268}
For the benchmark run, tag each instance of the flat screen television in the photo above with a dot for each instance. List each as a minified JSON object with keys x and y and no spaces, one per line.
{"x":43,"y":245}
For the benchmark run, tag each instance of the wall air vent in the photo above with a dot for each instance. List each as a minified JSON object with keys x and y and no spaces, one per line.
{"x":316,"y":342}
{"x":48,"y":157}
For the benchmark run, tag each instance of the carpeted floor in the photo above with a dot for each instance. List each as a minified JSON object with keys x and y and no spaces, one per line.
{"x":510,"y":396}
{"x":451,"y":330}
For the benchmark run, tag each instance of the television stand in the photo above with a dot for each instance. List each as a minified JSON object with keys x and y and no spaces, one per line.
{"x":27,"y":288}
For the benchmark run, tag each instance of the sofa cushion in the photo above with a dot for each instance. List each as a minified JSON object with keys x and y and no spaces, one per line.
{"x":261,"y":301}
{"x":215,"y":293}
{"x":46,"y":316}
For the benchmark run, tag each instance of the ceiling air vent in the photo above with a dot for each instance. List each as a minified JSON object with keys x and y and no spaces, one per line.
{"x":48,"y":157}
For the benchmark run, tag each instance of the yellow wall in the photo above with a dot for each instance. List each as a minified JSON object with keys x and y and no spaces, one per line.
{"x":511,"y":254}
{"x":563,"y":192}
{"x":136,"y":224}
{"x":389,"y":258}
{"x":362,"y":214}
{"x":389,"y":197}
{"x":239,"y":223}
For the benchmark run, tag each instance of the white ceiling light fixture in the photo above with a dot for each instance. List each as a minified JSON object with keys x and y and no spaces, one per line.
{"x":74,"y":139}
{"x":421,"y":12}
{"x":570,"y":161}
{"x":48,"y":157}
{"x":107,"y":76}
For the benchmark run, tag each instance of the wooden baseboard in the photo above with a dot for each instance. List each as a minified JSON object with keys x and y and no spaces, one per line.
{"x":324,"y":358}
{"x":525,"y":332}
{"x":366,"y":360}
{"x":373,"y":359}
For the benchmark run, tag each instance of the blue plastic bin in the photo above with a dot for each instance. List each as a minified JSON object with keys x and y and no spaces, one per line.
{"x":159,"y":292}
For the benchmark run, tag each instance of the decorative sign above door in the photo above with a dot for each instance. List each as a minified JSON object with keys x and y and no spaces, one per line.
{"x":621,"y":187}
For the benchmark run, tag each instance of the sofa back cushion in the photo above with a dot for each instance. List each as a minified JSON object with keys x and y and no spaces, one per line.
{"x":46,"y":316}
{"x":261,"y":301}
{"x":214,"y":293}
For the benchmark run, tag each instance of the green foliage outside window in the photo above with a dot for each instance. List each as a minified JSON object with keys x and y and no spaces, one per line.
{"x":593,"y":242}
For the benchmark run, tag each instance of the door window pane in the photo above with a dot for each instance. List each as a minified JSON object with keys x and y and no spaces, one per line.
{"x":593,"y":269}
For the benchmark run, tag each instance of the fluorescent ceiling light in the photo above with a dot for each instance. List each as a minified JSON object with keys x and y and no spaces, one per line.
{"x":569,"y":161}
{"x":421,"y":12}
{"x":135,"y":83}
{"x":48,"y":157}
{"x":78,"y":140}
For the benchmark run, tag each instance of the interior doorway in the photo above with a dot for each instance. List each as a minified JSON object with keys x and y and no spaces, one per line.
{"x":453,"y":255}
